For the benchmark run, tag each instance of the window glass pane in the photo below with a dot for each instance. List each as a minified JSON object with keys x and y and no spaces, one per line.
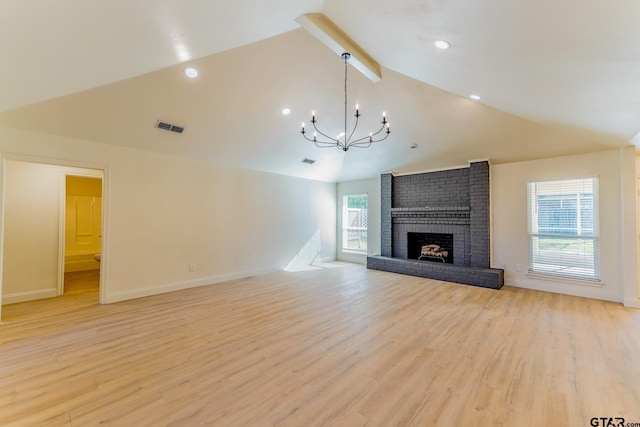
{"x":563,"y":227}
{"x":557,"y":214}
{"x":586,"y":215}
{"x":568,"y":256}
{"x":354,"y":223}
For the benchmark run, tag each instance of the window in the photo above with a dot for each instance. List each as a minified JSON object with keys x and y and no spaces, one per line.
{"x":354,"y":223}
{"x":563,"y":228}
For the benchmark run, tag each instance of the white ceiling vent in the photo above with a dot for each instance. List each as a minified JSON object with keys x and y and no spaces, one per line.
{"x":170,"y":127}
{"x":308,"y":161}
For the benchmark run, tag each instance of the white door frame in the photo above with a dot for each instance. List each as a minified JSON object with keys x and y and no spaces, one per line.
{"x":4,"y":157}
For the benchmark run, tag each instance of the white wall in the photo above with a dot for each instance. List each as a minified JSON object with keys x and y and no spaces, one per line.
{"x":33,"y":193}
{"x":165,"y":213}
{"x":371,"y":187}
{"x":509,"y":221}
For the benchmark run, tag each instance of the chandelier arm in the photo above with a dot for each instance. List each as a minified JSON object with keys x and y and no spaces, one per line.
{"x":309,"y":139}
{"x":324,"y":144}
{"x":353,"y":130}
{"x":360,"y":145}
{"x":320,"y":143}
{"x":370,"y":137}
{"x":362,"y":142}
{"x":322,"y":133}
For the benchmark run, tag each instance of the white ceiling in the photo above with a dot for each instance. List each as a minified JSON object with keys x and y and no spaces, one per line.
{"x":555,"y":78}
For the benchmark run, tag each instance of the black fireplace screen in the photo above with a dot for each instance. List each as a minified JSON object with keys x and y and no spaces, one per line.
{"x":436,"y":247}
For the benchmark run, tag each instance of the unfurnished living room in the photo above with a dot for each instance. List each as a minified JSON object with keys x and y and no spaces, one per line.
{"x":319,"y":213}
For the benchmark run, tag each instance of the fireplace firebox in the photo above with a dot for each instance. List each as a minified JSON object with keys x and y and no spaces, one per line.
{"x":437,"y":247}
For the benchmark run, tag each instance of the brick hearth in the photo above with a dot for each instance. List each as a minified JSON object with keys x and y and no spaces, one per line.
{"x":454,"y":202}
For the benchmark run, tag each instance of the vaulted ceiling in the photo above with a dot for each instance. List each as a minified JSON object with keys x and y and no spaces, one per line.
{"x":555,"y":78}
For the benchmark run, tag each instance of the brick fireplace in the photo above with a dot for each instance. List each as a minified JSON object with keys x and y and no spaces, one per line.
{"x":451,"y":203}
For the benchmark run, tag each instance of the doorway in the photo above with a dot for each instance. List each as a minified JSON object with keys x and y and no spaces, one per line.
{"x":82,"y":233}
{"x":33,"y":222}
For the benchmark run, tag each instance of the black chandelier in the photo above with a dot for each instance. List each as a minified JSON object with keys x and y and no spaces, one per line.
{"x":342,"y":141}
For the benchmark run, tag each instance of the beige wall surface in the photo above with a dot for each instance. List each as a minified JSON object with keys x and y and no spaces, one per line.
{"x":32,"y":197}
{"x":510,"y":245}
{"x":509,"y":221}
{"x":165,"y":213}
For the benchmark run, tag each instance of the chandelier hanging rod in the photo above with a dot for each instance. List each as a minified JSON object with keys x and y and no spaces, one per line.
{"x":346,"y":142}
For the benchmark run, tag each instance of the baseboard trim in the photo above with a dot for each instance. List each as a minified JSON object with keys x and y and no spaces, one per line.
{"x":353,"y":257}
{"x":632,"y":302}
{"x":178,"y":286}
{"x":29,"y":296}
{"x":587,"y":292}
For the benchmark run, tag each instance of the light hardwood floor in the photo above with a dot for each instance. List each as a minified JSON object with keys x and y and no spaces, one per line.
{"x":340,"y":346}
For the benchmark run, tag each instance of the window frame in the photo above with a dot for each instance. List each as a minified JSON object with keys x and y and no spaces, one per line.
{"x":345,"y":228}
{"x":569,"y":246}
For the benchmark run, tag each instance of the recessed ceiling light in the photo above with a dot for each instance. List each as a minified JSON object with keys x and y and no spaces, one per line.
{"x":191,"y":72}
{"x":442,"y":44}
{"x":475,"y":97}
{"x":286,"y":111}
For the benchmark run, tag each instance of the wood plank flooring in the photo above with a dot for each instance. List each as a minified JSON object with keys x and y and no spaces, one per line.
{"x":337,"y":347}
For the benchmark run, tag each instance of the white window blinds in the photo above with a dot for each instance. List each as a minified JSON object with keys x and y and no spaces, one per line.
{"x":563,"y":228}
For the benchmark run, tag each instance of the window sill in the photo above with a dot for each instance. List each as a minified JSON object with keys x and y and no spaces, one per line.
{"x":354,"y":252}
{"x":595,"y":283}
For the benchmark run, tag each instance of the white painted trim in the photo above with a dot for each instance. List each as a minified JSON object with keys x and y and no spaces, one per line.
{"x":587,"y":292}
{"x":30,"y":295}
{"x":187,"y":284}
{"x":449,"y":168}
{"x":62,"y":212}
{"x":352,"y":257}
{"x":104,"y":250}
{"x":628,"y":223}
{"x":52,"y":161}
{"x":356,"y":257}
{"x":446,"y":168}
{"x":486,"y":159}
{"x":595,"y":283}
{"x":632,"y":303}
{"x":3,"y":181}
{"x":103,"y":296}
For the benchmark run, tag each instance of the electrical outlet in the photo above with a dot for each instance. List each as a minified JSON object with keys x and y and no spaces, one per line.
{"x":192,"y":267}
